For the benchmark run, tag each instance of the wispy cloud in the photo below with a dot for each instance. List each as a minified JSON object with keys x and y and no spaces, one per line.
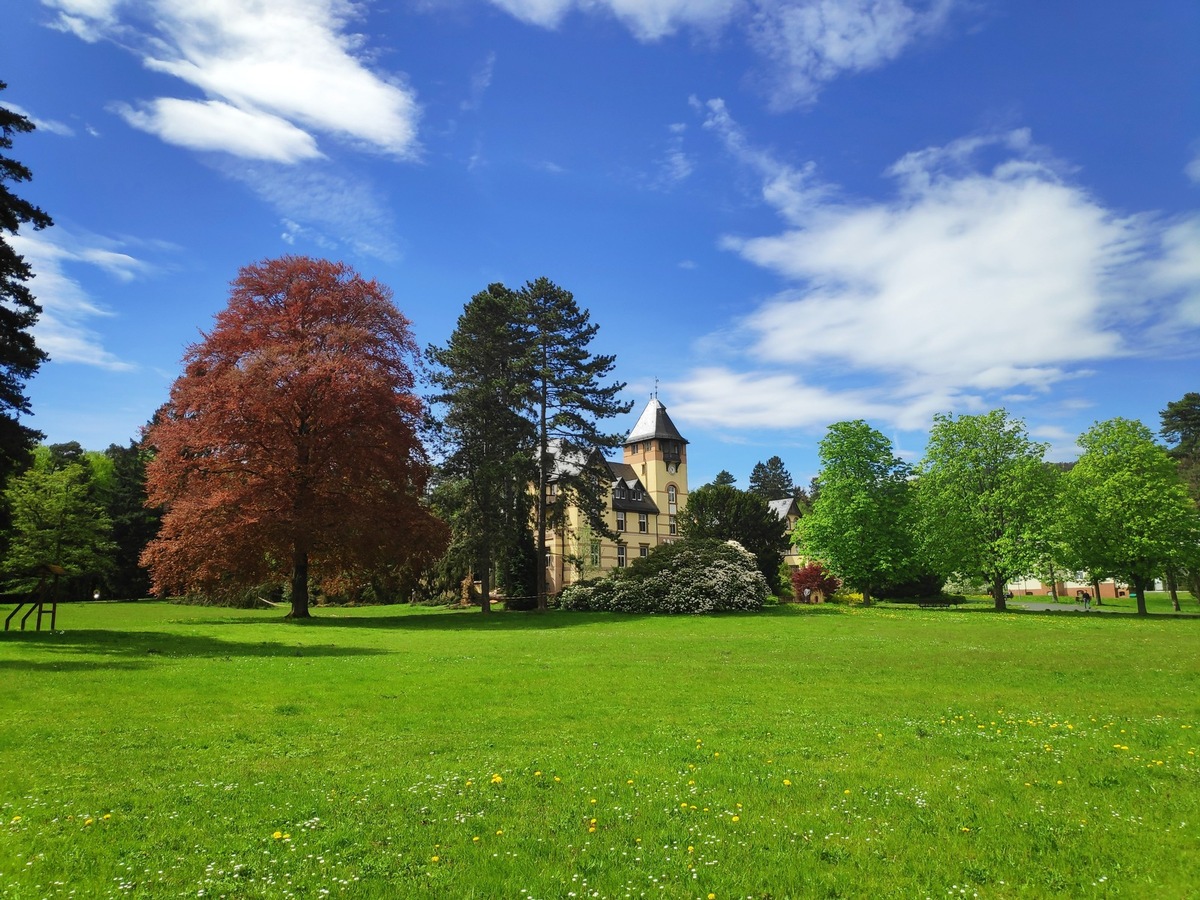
{"x":63,"y":330}
{"x":971,"y":283}
{"x":481,"y":80}
{"x":804,"y":43}
{"x":41,"y":124}
{"x":324,"y":206}
{"x":647,"y":19}
{"x":1193,"y":169}
{"x":279,"y":71}
{"x":812,"y":43}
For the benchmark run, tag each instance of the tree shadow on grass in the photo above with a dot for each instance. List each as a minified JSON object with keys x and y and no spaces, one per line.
{"x":473,"y":619}
{"x":106,"y":649}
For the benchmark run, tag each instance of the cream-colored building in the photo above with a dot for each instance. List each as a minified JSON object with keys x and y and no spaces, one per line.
{"x":648,"y":488}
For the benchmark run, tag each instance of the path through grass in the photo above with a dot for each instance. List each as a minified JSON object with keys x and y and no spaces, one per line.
{"x":156,"y":750}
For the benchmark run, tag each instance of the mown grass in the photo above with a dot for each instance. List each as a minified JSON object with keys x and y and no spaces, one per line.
{"x":158,"y":750}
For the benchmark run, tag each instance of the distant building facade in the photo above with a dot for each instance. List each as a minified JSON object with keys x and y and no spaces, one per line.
{"x":647,"y":490}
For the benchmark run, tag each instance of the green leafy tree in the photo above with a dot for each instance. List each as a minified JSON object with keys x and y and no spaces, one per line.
{"x":861,"y":524}
{"x":983,"y":499}
{"x":570,"y":396}
{"x":20,"y":356}
{"x":724,"y":513}
{"x":56,"y":520}
{"x":485,"y":402}
{"x":122,"y":490}
{"x":1181,"y":430}
{"x":1130,"y":515}
{"x":771,"y":480}
{"x":725,"y":477}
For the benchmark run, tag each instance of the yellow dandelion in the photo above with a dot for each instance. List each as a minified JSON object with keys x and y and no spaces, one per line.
{"x":475,"y":840}
{"x":499,"y":831}
{"x":683,"y":806}
{"x":787,"y":782}
{"x":965,"y":828}
{"x":496,"y":779}
{"x":592,"y":801}
{"x":90,"y":822}
{"x":846,"y":791}
{"x":591,"y":829}
{"x":286,"y":836}
{"x":106,"y":816}
{"x":630,"y":781}
{"x":434,"y":858}
{"x":737,"y":818}
{"x":535,"y":774}
{"x":712,"y":897}
{"x":691,"y":848}
{"x":277,"y":835}
{"x":15,"y":820}
{"x":556,"y":778}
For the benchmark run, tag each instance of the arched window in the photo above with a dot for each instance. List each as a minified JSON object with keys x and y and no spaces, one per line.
{"x":672,"y":497}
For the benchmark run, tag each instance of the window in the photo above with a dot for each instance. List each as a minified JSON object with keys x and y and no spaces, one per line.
{"x":620,"y":556}
{"x":672,"y":528}
{"x":643,"y":550}
{"x":620,"y":520}
{"x":672,"y":499}
{"x":552,"y":490}
{"x":547,"y":559}
{"x":595,"y":553}
{"x":643,"y":522}
{"x":619,"y":493}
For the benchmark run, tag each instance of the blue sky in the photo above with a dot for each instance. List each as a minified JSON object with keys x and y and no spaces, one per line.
{"x":788,"y":212}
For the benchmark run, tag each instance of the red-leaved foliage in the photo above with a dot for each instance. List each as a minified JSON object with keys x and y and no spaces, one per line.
{"x":290,"y":441}
{"x":816,"y":580}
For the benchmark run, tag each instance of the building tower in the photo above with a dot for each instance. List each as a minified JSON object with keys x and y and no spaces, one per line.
{"x":657,"y":452}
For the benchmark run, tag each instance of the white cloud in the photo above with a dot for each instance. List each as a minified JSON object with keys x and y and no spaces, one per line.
{"x":968,"y":285}
{"x":291,"y":61}
{"x":217,"y":126}
{"x":62,"y":330}
{"x":811,"y":43}
{"x":49,"y":125}
{"x":806,"y":43}
{"x":481,"y":80}
{"x":1193,"y":170}
{"x":648,"y":19}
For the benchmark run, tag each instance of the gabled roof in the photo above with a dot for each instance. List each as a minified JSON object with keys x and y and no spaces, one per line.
{"x":654,"y":423}
{"x":784,"y":508}
{"x":624,"y":476}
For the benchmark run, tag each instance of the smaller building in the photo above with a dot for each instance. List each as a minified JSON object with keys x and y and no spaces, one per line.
{"x":788,"y":510}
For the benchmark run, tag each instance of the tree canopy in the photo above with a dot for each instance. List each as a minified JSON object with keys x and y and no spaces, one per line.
{"x":771,"y":480}
{"x":724,"y":513}
{"x":290,"y":443}
{"x":861,"y":523}
{"x":56,"y":520}
{"x":20,"y":356}
{"x":725,"y":477}
{"x":1129,"y":513}
{"x":983,"y":495}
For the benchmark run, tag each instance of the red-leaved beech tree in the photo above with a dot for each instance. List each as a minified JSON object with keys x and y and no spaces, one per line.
{"x":289,"y":445}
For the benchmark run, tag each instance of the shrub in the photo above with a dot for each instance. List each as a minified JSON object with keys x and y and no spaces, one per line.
{"x":816,"y":579}
{"x":698,"y":576}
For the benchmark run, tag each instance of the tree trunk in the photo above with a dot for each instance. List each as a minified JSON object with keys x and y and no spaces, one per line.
{"x":998,"y":584}
{"x":1139,"y":586}
{"x":1096,"y":588}
{"x":1173,"y":587}
{"x":866,"y":592}
{"x":543,"y":477}
{"x":1053,"y":585}
{"x":299,"y":585}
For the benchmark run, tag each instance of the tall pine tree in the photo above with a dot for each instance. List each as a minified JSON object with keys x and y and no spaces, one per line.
{"x":570,"y":396}
{"x":19,"y":355}
{"x":488,"y":430}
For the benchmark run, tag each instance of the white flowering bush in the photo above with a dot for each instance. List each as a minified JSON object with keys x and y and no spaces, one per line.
{"x":685,"y":577}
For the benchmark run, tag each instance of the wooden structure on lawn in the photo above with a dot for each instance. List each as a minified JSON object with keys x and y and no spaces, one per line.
{"x":45,"y":594}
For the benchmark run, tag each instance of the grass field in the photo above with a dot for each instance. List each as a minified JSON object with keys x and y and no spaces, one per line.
{"x":160,"y":751}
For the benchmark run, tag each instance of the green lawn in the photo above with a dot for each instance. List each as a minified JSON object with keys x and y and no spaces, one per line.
{"x":158,"y":750}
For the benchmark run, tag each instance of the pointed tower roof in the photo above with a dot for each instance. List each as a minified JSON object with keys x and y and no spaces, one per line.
{"x":654,"y":423}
